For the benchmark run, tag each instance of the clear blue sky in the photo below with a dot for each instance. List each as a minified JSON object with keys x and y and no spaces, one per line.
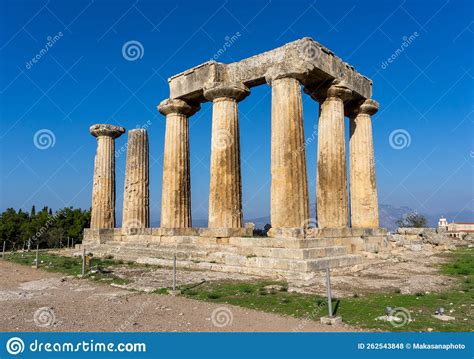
{"x":83,"y":78}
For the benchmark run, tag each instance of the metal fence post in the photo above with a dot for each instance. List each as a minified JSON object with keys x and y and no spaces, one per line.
{"x":174,"y":273}
{"x":37,"y":256}
{"x":328,"y":284}
{"x":83,"y":261}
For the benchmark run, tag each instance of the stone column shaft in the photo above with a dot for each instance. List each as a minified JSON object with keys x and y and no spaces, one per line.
{"x":331,"y":186}
{"x":103,"y":191}
{"x":363,"y":193}
{"x":176,"y":190}
{"x":225,"y":193}
{"x":289,"y":188}
{"x":136,"y":213}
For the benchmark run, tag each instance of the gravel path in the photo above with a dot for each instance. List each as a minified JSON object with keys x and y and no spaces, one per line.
{"x":36,"y":300}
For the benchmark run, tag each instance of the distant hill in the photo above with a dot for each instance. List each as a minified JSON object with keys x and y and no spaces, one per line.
{"x":388,"y":215}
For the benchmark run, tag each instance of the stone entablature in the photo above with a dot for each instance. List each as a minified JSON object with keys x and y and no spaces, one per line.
{"x":305,"y":59}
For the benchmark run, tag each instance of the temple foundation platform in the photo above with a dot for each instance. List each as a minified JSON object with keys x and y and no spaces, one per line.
{"x":292,"y":255}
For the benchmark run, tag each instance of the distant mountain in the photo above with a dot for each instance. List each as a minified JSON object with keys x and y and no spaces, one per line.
{"x":388,"y":215}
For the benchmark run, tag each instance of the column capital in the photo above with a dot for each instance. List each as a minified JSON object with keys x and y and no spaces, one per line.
{"x":236,"y":91}
{"x":177,"y":106}
{"x":368,"y":107}
{"x":106,"y":130}
{"x":337,"y":90}
{"x":296,"y":70}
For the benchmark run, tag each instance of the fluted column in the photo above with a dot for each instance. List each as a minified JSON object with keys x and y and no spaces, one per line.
{"x":103,"y":190}
{"x":289,"y":188}
{"x":176,"y":190}
{"x":364,"y":203}
{"x":331,"y":186}
{"x":136,"y":212}
{"x":225,"y":193}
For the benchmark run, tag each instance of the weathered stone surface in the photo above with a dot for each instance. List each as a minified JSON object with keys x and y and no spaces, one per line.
{"x":363,"y":189}
{"x":316,"y":62}
{"x":289,"y":188}
{"x":225,"y":193}
{"x":103,"y":190}
{"x":331,"y":186}
{"x":136,"y":211}
{"x":176,"y":190}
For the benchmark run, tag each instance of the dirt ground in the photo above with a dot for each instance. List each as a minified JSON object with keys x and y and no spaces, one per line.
{"x":36,"y":300}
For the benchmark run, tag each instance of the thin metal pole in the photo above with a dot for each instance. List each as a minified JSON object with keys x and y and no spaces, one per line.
{"x":83,"y":261}
{"x":68,"y":241}
{"x":37,"y":255}
{"x":3,"y":251}
{"x":174,"y":273}
{"x":328,"y":287}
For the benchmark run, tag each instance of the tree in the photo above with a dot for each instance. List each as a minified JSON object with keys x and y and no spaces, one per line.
{"x":22,"y":229}
{"x":412,"y":220}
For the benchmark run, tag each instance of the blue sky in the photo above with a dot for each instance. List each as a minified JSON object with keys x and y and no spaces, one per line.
{"x":425,"y":93}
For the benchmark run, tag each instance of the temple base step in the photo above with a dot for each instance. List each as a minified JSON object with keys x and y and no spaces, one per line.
{"x":296,"y":260}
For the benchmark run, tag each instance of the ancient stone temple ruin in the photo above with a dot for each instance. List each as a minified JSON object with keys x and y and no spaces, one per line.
{"x":347,"y":210}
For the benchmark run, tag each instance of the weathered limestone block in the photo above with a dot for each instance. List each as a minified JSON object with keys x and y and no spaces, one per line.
{"x":136,"y":213}
{"x":103,"y":189}
{"x":331,"y":186}
{"x":324,"y":65}
{"x":225,"y":194}
{"x":363,"y":189}
{"x":289,"y":188}
{"x":176,"y":191}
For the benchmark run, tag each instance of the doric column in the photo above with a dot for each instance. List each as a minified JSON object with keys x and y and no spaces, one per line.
{"x":136,"y":213}
{"x":331,"y":182}
{"x":103,"y":190}
{"x":364,"y":204}
{"x":225,"y":193}
{"x":176,"y":190}
{"x":289,"y":188}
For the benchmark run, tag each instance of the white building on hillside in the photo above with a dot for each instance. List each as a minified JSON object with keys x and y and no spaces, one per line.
{"x":456,"y":229}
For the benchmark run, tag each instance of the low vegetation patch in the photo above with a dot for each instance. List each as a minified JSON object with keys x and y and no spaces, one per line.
{"x":361,"y":310}
{"x":70,"y":265}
